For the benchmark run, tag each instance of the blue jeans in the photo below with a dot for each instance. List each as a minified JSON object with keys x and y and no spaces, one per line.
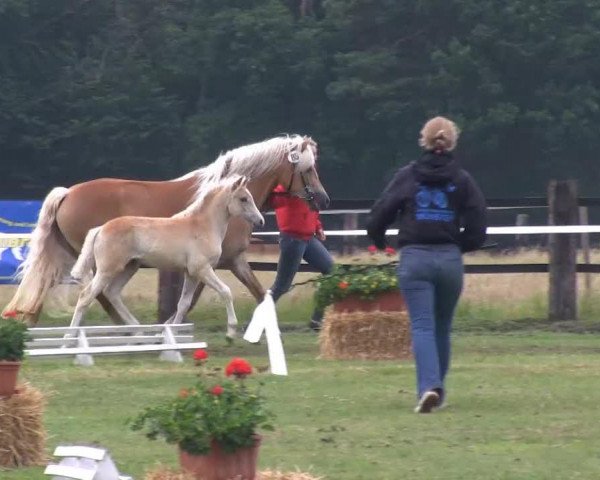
{"x":292,"y":251}
{"x":431,"y":280}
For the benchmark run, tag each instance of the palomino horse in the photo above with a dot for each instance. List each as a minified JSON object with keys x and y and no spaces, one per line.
{"x":189,"y":241}
{"x":68,"y":214}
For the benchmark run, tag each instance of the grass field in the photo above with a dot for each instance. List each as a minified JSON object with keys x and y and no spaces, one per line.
{"x":523,"y":393}
{"x":520,"y":407}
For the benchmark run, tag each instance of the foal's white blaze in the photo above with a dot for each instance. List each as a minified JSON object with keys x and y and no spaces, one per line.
{"x":189,"y":241}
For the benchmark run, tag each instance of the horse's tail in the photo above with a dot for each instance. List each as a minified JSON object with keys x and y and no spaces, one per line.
{"x":46,"y":261}
{"x":86,"y":261}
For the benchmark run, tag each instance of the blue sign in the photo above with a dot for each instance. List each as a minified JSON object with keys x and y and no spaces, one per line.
{"x":16,"y":217}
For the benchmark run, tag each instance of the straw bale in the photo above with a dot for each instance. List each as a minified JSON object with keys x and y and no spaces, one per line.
{"x":372,"y":335}
{"x":163,"y":473}
{"x":22,"y":433}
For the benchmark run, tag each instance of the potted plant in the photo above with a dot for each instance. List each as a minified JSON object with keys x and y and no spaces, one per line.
{"x":363,"y":287}
{"x":13,"y":336}
{"x":214,"y":423}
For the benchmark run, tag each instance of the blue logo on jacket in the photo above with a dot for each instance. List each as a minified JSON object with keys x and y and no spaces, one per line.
{"x":432,"y":204}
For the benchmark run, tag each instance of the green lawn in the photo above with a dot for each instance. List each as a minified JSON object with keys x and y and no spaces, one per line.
{"x":521,"y":406}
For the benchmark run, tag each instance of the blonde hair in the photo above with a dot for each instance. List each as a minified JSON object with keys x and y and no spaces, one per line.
{"x":439,"y":133}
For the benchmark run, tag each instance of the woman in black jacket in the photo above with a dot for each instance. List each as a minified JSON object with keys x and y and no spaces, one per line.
{"x":441,"y":214}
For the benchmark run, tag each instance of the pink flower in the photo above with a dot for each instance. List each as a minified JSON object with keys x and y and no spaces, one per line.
{"x":10,"y":314}
{"x":390,"y":251}
{"x":372,"y":248}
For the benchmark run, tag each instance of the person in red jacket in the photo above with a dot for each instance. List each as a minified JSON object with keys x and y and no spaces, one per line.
{"x":301,"y":237}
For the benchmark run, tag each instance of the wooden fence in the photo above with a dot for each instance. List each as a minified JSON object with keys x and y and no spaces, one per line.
{"x":564,"y":208}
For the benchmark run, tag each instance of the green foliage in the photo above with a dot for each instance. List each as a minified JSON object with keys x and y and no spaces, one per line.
{"x":363,"y":280}
{"x":13,"y":335}
{"x":224,"y":411}
{"x":152,"y":89}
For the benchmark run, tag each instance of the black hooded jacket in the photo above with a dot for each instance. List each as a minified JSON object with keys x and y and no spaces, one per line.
{"x":435,"y":202}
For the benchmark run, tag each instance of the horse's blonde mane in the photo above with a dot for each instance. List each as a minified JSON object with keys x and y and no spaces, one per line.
{"x":251,"y":160}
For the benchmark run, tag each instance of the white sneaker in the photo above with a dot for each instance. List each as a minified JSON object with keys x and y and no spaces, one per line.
{"x":429,"y":400}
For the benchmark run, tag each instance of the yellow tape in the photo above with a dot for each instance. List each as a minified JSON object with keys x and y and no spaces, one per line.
{"x":10,"y":223}
{"x":13,"y":242}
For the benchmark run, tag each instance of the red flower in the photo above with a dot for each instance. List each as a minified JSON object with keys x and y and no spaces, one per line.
{"x":217,"y":390}
{"x":372,"y":248}
{"x":238,"y":367}
{"x":200,"y":355}
{"x":184,"y":393}
{"x":10,"y":314}
{"x":390,"y":251}
{"x":343,"y":285}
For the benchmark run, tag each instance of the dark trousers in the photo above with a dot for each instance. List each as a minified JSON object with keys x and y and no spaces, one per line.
{"x":292,"y":251}
{"x":431,"y":280}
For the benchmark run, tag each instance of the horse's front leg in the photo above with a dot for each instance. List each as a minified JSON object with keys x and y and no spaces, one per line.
{"x":242,"y":271}
{"x":209,"y":277}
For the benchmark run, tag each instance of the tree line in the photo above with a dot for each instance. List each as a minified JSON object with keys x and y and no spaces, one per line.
{"x":155,"y":88}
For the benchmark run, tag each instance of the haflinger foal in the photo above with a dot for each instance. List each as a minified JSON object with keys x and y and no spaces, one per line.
{"x":189,"y":241}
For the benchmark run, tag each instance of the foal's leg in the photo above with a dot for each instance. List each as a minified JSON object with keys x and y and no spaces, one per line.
{"x":113,"y":292}
{"x":87,"y":295}
{"x":195,"y":298}
{"x":110,"y":309}
{"x":209,"y":277}
{"x":241,"y":269}
{"x":187,"y":292}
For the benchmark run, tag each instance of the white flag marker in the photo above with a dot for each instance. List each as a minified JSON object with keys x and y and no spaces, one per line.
{"x":264,"y":318}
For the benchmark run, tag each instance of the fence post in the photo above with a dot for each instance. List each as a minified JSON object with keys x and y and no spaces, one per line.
{"x":170,"y":284}
{"x":522,"y":221}
{"x":585,"y":246}
{"x":563,"y":210}
{"x":349,"y":242}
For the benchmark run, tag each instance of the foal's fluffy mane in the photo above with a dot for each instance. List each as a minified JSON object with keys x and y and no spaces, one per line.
{"x":209,"y":188}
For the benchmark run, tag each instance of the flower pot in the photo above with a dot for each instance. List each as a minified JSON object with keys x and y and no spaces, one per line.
{"x":8,"y":377}
{"x":220,"y":465}
{"x":390,"y":301}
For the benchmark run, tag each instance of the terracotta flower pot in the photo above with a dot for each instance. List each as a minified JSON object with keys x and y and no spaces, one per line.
{"x":9,"y":372}
{"x":390,"y":301}
{"x":220,"y":465}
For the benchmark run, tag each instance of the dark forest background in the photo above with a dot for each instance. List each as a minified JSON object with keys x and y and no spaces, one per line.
{"x":152,"y":89}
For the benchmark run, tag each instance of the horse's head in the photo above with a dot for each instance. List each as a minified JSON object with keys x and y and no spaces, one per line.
{"x":241,"y":203}
{"x":302,"y":178}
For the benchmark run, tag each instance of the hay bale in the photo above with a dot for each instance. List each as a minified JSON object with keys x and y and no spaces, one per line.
{"x":365,"y":335}
{"x":163,"y":473}
{"x":22,"y":434}
{"x":276,"y":475}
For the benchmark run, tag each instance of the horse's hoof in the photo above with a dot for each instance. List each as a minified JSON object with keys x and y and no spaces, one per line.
{"x":229,"y":341}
